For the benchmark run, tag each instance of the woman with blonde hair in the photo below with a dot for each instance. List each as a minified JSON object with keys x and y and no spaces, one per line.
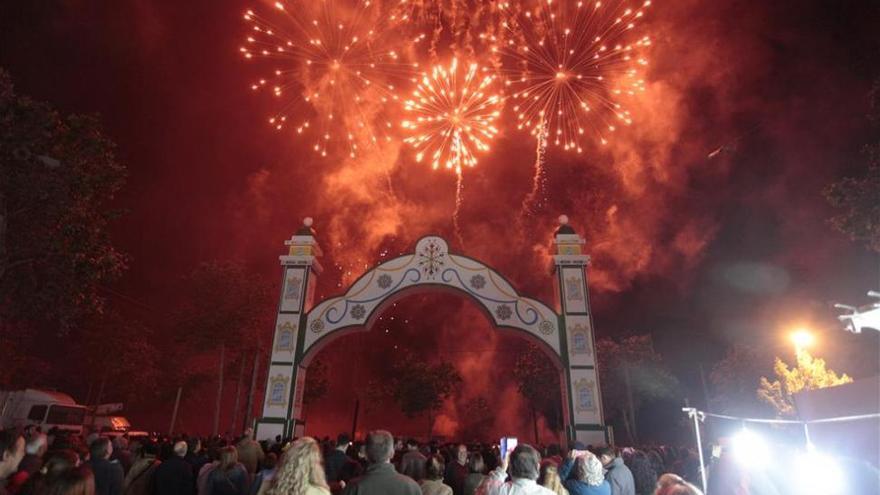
{"x":229,"y":477}
{"x":301,"y":471}
{"x":550,"y":479}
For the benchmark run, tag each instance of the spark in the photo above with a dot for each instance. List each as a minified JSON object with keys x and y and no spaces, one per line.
{"x":335,"y":69}
{"x":452,"y":115}
{"x":573,"y":64}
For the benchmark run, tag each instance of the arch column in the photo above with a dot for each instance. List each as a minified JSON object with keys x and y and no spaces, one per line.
{"x":581,"y":392}
{"x":282,"y":403}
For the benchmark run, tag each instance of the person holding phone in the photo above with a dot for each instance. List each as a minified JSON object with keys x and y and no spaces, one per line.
{"x":523,"y":465}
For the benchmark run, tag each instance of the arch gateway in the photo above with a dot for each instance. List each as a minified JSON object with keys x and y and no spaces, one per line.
{"x":564,"y":332}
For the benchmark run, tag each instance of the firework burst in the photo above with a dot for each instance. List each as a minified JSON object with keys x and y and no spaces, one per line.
{"x":335,"y":69}
{"x":453,"y":112}
{"x":573,"y":62}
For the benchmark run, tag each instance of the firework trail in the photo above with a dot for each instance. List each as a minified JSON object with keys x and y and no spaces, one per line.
{"x":567,"y":66}
{"x":534,"y":200}
{"x":456,"y":214}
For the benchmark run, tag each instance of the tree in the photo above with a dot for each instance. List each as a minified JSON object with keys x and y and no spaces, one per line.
{"x":57,"y":177}
{"x":421,"y":388}
{"x":538,"y":381}
{"x":316,"y":382}
{"x":226,"y":307}
{"x":118,"y":358}
{"x":477,"y":418}
{"x":631,"y":374}
{"x":734,"y":379}
{"x":809,"y":374}
{"x":855,"y":198}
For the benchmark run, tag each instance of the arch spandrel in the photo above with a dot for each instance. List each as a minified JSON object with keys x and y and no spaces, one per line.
{"x":431,"y":264}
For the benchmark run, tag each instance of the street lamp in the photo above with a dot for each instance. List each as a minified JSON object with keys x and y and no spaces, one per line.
{"x":802,"y":338}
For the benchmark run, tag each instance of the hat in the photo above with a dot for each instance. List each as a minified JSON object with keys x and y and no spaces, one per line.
{"x":578,"y":446}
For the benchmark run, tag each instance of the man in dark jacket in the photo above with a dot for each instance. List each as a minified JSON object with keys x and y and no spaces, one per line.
{"x":412,"y":463}
{"x":338,"y":466}
{"x":457,"y":469}
{"x":175,"y":476}
{"x":381,"y":478}
{"x":618,"y":476}
{"x":108,"y":475}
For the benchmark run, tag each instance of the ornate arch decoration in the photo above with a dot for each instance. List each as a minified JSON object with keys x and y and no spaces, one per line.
{"x":431,"y":266}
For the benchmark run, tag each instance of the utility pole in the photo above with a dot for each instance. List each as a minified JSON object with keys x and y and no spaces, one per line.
{"x":219,"y":391}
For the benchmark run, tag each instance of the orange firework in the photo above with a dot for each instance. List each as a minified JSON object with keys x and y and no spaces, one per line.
{"x":335,"y":69}
{"x":573,"y":61}
{"x":454,"y":110}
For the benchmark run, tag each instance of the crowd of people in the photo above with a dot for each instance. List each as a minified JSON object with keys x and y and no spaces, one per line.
{"x":35,"y":463}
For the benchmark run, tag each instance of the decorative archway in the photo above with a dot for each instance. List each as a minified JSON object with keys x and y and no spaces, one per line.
{"x":301,"y":329}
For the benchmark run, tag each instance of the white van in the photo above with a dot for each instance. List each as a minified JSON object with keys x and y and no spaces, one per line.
{"x":42,"y":408}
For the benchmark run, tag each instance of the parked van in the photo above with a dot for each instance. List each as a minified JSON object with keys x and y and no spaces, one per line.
{"x":43,"y":408}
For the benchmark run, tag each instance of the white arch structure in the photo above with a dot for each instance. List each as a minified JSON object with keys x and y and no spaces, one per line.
{"x":302,"y":329}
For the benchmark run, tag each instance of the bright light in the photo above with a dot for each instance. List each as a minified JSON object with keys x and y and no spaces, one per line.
{"x":818,"y":473}
{"x":750,"y":450}
{"x":802,"y":338}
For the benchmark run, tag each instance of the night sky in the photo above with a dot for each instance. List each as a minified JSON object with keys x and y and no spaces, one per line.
{"x":701,"y":252}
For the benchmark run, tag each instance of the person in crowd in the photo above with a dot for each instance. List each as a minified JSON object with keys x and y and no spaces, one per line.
{"x":380,"y":477}
{"x":550,"y":479}
{"x":618,"y":476}
{"x":338,"y":466}
{"x":121,"y":453}
{"x":229,"y":477}
{"x":108,"y":475}
{"x":263,"y":480}
{"x":139,"y":480}
{"x":412,"y":463}
{"x":554,"y":455}
{"x":644,"y":476}
{"x":11,"y":454}
{"x":195,"y":455}
{"x":477,"y":475}
{"x":250,"y":453}
{"x":300,"y":472}
{"x":523,"y":466}
{"x":35,"y":448}
{"x":432,"y":484}
{"x":74,"y":481}
{"x":56,"y":464}
{"x":673,"y":484}
{"x":205,"y":472}
{"x":586,"y":475}
{"x":174,"y":476}
{"x":457,"y":469}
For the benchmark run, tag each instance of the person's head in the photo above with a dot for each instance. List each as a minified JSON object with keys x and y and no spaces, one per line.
{"x":75,"y":481}
{"x":37,"y":444}
{"x":59,"y":462}
{"x":476,"y":463}
{"x":461,"y":453}
{"x":300,"y":467}
{"x":606,"y":455}
{"x":435,"y":467}
{"x":412,"y":444}
{"x":194,"y":445}
{"x":553,"y":450}
{"x":248,"y":433}
{"x":524,"y":462}
{"x":588,"y":468}
{"x":672,"y":484}
{"x":180,"y":448}
{"x":550,"y":477}
{"x":100,"y":448}
{"x":379,"y":446}
{"x":343,"y":441}
{"x":228,"y":458}
{"x":270,"y":461}
{"x":11,"y":453}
